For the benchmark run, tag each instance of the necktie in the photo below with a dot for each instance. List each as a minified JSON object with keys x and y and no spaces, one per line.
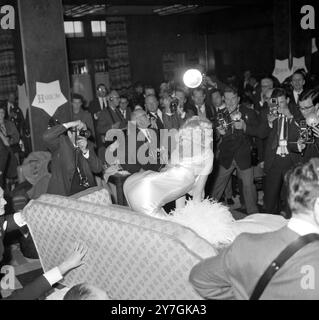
{"x":282,"y":144}
{"x":123,"y":113}
{"x":3,"y":130}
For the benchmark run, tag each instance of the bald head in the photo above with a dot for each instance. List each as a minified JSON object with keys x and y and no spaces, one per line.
{"x":113,"y":99}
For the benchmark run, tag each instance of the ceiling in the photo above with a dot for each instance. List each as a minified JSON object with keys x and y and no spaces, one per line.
{"x":82,"y":10}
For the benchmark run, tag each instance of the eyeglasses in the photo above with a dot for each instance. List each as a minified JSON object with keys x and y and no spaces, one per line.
{"x":305,"y":108}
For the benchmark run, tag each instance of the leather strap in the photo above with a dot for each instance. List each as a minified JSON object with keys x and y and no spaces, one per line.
{"x":276,"y":264}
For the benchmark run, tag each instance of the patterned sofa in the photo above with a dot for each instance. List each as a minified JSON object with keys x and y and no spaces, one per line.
{"x":131,"y":256}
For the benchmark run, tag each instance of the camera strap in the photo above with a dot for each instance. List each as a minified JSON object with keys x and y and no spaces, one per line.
{"x":281,"y":259}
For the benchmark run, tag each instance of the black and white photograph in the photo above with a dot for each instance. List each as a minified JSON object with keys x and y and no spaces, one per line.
{"x":163,"y":153}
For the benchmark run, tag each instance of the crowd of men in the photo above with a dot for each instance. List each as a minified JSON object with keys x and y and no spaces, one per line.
{"x":259,"y":130}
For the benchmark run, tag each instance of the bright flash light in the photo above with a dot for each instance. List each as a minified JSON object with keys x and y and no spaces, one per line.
{"x":192,"y":78}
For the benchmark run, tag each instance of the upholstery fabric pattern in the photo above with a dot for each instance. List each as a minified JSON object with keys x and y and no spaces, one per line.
{"x":130,"y":256}
{"x":186,"y":236}
{"x":96,"y":195}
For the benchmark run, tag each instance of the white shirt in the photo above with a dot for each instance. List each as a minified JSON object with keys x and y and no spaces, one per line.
{"x":296,"y":95}
{"x":101,"y":100}
{"x":301,"y":226}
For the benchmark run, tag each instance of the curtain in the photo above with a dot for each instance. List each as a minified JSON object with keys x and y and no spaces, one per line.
{"x":8,"y":75}
{"x":117,"y":53}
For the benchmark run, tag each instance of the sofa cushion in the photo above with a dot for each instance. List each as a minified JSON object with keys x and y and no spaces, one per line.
{"x":98,"y":195}
{"x":131,"y":256}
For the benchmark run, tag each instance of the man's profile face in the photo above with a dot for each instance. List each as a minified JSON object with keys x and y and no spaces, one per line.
{"x":198,"y":97}
{"x":217,"y":99}
{"x":151,"y":104}
{"x":101,"y":91}
{"x":76,"y":105}
{"x":231,"y":101}
{"x":297,"y":82}
{"x":306,"y":107}
{"x":266,"y":84}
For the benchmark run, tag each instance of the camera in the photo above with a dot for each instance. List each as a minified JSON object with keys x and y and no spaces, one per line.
{"x":273,"y":107}
{"x":174,"y":104}
{"x":85,"y":133}
{"x":306,"y":133}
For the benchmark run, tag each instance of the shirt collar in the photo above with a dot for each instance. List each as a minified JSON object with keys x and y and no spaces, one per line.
{"x":302,"y":227}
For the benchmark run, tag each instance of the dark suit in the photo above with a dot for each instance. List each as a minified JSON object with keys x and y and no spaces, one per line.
{"x":235,"y":153}
{"x":132,"y":162}
{"x":210,"y":112}
{"x":294,"y":107}
{"x":276,"y":166}
{"x":63,"y":164}
{"x":234,"y":273}
{"x":159,"y":121}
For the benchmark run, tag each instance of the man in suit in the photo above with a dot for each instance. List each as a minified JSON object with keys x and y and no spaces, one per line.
{"x":234,"y":273}
{"x":96,"y":107}
{"x":235,"y":150}
{"x":79,"y":114}
{"x":109,"y":118}
{"x":199,"y":107}
{"x":124,"y":108}
{"x":259,"y":97}
{"x":297,"y":84}
{"x":283,"y":151}
{"x":73,"y":159}
{"x":14,"y":114}
{"x":155,"y":114}
{"x":309,"y":105}
{"x":140,"y":147}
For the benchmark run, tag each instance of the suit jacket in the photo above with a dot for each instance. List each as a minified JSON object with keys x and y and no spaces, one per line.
{"x":273,"y":140}
{"x":294,"y":107}
{"x":236,"y":144}
{"x":234,"y":273}
{"x":159,"y":121}
{"x":210,"y":112}
{"x":63,"y":164}
{"x":132,"y":162}
{"x":107,"y":118}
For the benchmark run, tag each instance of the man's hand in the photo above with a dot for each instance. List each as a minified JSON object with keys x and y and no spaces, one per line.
{"x":74,"y":260}
{"x":166,"y":104}
{"x":153,"y":123}
{"x":301,"y":145}
{"x":82,"y":144}
{"x":75,"y":124}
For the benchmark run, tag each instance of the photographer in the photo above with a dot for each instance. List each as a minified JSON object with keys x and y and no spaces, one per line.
{"x":308,"y":107}
{"x":73,"y":158}
{"x":283,"y":150}
{"x":175,"y":113}
{"x":235,"y":149}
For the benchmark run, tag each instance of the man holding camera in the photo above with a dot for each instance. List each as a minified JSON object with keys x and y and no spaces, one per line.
{"x":283,"y":150}
{"x":73,"y":158}
{"x":308,"y":107}
{"x":234,"y":147}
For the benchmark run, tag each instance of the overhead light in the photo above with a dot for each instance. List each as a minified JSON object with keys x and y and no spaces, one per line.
{"x":192,"y":78}
{"x":174,"y":9}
